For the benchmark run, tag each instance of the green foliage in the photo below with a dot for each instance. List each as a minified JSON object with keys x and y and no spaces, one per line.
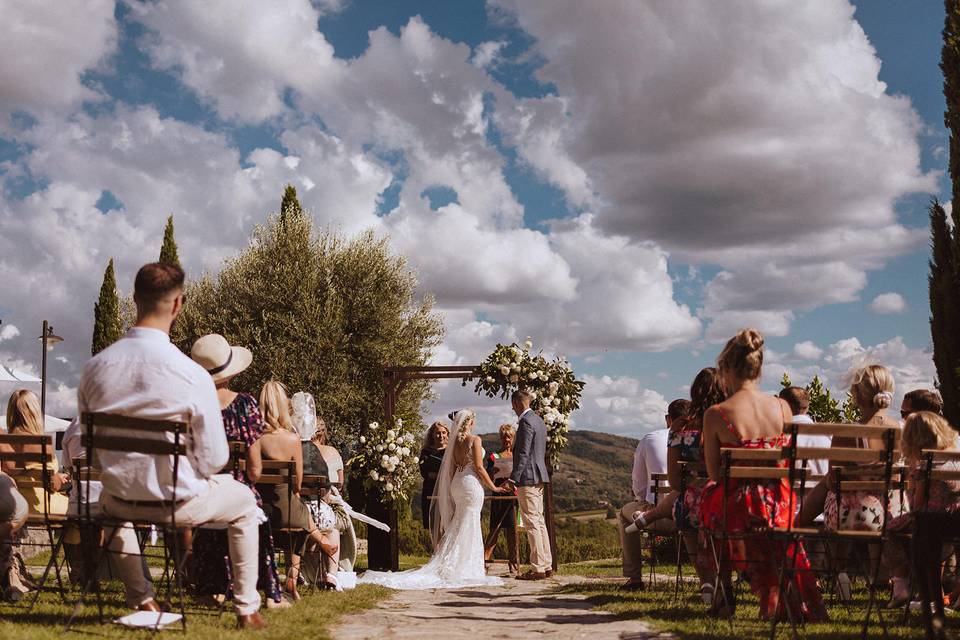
{"x":107,"y":326}
{"x":823,"y":406}
{"x":387,"y":458}
{"x":557,"y":391}
{"x":321,"y":314}
{"x":168,"y":250}
{"x":290,"y":204}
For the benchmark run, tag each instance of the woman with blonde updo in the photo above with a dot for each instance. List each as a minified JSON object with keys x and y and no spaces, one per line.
{"x":872,"y":391}
{"x":751,"y":419}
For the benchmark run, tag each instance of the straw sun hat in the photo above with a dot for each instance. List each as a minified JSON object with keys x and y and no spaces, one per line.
{"x":214,"y":353}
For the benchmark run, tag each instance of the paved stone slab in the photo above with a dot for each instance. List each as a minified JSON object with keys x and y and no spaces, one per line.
{"x":517,"y":610}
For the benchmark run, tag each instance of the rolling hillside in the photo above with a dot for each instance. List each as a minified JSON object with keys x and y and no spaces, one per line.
{"x":595,"y":469}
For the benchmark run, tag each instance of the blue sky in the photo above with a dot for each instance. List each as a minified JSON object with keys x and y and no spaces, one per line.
{"x":576,"y":177}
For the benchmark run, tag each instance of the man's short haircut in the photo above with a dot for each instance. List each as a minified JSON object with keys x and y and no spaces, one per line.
{"x":924,"y":400}
{"x":679,"y":408}
{"x":521,"y":395}
{"x":154,"y":282}
{"x":797,"y":398}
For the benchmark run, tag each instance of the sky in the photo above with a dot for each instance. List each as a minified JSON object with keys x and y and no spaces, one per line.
{"x":627,"y":187}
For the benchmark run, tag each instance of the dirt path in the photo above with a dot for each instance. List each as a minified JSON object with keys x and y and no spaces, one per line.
{"x":516,"y":610}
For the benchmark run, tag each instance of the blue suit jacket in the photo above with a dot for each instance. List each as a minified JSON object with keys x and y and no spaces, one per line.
{"x":530,"y":451}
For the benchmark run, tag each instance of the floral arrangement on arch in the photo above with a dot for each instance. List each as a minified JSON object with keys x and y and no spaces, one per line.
{"x":387,"y":461}
{"x":555,"y":388}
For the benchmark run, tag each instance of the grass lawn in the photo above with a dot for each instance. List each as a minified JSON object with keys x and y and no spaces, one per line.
{"x":313,"y":617}
{"x":687,"y":619}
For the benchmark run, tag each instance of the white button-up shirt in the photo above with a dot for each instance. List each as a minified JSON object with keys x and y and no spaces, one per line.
{"x":143,"y":375}
{"x":650,"y":457}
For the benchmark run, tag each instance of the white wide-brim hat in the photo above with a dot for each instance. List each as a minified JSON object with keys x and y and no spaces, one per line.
{"x":222,"y":361}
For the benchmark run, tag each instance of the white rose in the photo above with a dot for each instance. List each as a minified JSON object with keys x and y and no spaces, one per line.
{"x":374,"y":475}
{"x":391,"y":435}
{"x":548,"y":418}
{"x":554,"y":386}
{"x":388,"y":486}
{"x":394,"y":460}
{"x":385,"y":464}
{"x":374,"y":425}
{"x":532,"y":375}
{"x":416,"y":459}
{"x":405,"y":452}
{"x":392,"y":447}
{"x":399,"y":422}
{"x":362,"y":440}
{"x":505,"y":370}
{"x":379,"y":448}
{"x":391,"y":468}
{"x":491,"y":380}
{"x":384,"y":457}
{"x":528,"y":344}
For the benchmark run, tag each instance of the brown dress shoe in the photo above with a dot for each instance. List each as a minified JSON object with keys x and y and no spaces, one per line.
{"x":532,"y":575}
{"x":548,"y":573}
{"x":150,"y":605}
{"x":253,"y":622}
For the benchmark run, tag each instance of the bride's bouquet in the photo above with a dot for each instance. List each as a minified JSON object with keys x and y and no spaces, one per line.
{"x":555,"y":387}
{"x":386,"y":460}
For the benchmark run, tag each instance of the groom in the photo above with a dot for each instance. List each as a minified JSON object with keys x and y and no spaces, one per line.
{"x":529,"y":475}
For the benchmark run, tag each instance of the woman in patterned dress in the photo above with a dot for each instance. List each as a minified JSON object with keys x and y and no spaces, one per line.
{"x":922,"y":430}
{"x":751,"y":419}
{"x":243,"y":423}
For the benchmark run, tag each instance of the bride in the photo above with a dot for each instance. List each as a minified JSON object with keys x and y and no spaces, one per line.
{"x":457,"y":559}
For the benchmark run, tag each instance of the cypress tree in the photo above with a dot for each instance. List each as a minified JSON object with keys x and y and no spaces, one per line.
{"x":168,"y":251}
{"x":107,"y":327}
{"x":944,"y":278}
{"x":290,"y":204}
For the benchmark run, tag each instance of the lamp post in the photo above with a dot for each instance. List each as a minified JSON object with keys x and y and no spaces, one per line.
{"x":48,"y":338}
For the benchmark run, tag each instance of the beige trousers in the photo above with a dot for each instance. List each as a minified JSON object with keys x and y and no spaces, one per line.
{"x":530,"y":500}
{"x":226,"y":501}
{"x":631,"y":543}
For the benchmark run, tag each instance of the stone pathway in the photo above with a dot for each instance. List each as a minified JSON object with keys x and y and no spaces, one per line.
{"x":516,"y":610}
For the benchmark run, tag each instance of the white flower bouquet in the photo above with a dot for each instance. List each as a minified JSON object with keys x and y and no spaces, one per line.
{"x":556,"y":390}
{"x":387,"y":460}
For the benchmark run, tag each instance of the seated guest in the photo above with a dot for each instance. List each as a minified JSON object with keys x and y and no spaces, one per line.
{"x":799,"y":401}
{"x":752,"y":419}
{"x":922,"y":430}
{"x":241,"y":423}
{"x":281,"y":442}
{"x":307,"y":425}
{"x":24,"y":418}
{"x":13,"y":514}
{"x":920,"y":400}
{"x":686,"y":446}
{"x":143,"y":375}
{"x":431,"y":455}
{"x":503,"y":513}
{"x":650,"y":457}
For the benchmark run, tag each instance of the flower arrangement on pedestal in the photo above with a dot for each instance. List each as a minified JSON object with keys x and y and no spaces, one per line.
{"x":387,"y":461}
{"x":555,"y":388}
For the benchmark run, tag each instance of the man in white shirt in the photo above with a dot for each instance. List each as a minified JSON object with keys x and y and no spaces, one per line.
{"x":650,"y":457}
{"x":143,"y":375}
{"x":799,"y":401}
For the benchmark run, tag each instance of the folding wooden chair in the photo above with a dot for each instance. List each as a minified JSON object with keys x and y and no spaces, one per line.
{"x":873,"y":472}
{"x":314,"y":487}
{"x":52,"y":524}
{"x":689,"y":472}
{"x":930,"y":530}
{"x":661,"y":488}
{"x":161,"y":438}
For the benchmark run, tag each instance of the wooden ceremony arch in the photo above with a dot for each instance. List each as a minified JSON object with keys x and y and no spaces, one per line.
{"x":383,"y":549}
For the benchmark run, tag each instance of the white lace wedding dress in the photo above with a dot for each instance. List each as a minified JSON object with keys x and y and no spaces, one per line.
{"x":458,"y":560}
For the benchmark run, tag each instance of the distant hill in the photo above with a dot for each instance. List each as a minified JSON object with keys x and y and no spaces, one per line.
{"x":595,"y":468}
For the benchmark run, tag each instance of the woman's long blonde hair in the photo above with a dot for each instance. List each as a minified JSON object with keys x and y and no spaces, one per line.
{"x":23,"y":413}
{"x":275,"y":407}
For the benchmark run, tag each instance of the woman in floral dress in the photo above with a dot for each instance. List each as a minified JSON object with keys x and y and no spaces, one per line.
{"x":243,"y":423}
{"x":751,"y":419}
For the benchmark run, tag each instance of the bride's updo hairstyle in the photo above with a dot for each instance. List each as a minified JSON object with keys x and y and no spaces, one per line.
{"x":872,"y":386}
{"x":743,"y":355}
{"x":463,"y":423}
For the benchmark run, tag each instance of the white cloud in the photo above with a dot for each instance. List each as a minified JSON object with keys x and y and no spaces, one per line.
{"x":8,"y":332}
{"x":765,"y":144}
{"x":485,"y":54}
{"x":807,"y":350}
{"x":888,"y":303}
{"x":620,"y":405}
{"x":46,"y":49}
